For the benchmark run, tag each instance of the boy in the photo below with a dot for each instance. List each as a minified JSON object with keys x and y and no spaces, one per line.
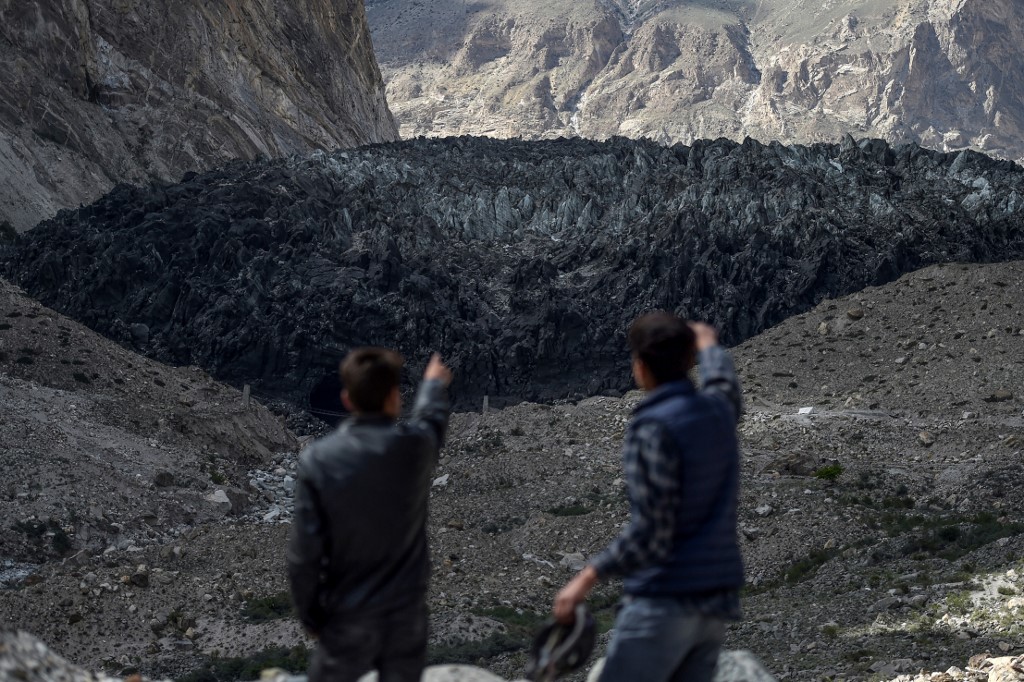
{"x":358,"y":559}
{"x":679,"y":554}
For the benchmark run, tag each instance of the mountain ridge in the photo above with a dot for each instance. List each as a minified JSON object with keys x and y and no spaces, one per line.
{"x":942,"y":73}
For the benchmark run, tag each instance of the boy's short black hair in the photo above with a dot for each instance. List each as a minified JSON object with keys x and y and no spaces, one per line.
{"x":369,"y":375}
{"x":665,"y":343}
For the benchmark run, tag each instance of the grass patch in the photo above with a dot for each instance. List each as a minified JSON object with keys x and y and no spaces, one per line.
{"x":501,"y":525}
{"x":898,"y":502}
{"x":829,"y":472}
{"x":514,"y":619}
{"x":265,"y":609}
{"x":858,"y":655}
{"x":1006,"y":591}
{"x":953,"y":538}
{"x":805,"y":568}
{"x":569,"y":510}
{"x":604,"y":606}
{"x":521,"y":627}
{"x":31,"y":529}
{"x":473,"y":653}
{"x":294,"y":660}
{"x":959,"y":602}
{"x":60,"y":542}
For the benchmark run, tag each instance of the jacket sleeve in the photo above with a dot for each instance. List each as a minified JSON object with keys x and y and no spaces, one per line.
{"x":652,"y":477}
{"x":718,"y":378}
{"x":307,"y":552}
{"x":430,"y":413}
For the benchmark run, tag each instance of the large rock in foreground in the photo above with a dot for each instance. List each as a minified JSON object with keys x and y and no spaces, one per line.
{"x":107,"y":91}
{"x":522,"y":262}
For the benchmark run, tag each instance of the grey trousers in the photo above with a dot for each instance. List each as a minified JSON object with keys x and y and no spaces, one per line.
{"x":661,"y":640}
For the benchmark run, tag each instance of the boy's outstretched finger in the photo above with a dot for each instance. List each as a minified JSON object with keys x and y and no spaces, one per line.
{"x":437,"y":370}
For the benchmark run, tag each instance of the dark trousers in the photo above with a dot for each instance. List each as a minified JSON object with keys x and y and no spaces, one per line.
{"x":394,"y":644}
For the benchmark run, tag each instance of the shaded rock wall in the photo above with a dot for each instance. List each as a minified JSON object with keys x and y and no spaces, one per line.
{"x":98,"y":92}
{"x":523,"y":262}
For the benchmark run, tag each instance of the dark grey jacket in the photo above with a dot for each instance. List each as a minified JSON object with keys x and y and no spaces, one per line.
{"x":359,"y":539}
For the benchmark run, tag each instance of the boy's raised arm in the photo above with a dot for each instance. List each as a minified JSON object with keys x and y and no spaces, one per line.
{"x":716,"y":369}
{"x":432,"y":407}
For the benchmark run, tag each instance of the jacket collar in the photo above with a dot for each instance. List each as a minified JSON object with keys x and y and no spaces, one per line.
{"x":664,"y":392}
{"x":369,"y":419}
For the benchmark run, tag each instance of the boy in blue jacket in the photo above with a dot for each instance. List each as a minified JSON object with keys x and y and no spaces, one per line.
{"x":679,"y":556}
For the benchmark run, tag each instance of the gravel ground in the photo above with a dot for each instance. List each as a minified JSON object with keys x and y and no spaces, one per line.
{"x":882,"y":527}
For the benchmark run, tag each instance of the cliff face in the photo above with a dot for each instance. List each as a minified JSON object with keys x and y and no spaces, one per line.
{"x":944,"y":73}
{"x":98,"y":92}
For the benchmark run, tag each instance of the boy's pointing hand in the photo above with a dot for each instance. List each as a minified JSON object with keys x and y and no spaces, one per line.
{"x":437,"y":371}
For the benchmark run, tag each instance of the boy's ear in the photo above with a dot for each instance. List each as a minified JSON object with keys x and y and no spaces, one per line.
{"x":346,"y":402}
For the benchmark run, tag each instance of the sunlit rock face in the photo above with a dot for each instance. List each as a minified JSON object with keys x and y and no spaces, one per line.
{"x":944,"y":73}
{"x":109,"y":91}
{"x":523,"y":262}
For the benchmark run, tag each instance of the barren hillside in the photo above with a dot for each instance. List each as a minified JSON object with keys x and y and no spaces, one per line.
{"x":944,"y":73}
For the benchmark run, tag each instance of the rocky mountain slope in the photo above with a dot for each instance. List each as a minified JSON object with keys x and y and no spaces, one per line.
{"x":881,"y":528}
{"x":944,"y":73}
{"x":98,"y":92}
{"x":102,"y":448}
{"x":510,"y":256}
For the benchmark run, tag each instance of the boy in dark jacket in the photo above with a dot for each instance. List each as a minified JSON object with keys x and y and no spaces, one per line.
{"x":679,"y":555}
{"x":358,"y":558}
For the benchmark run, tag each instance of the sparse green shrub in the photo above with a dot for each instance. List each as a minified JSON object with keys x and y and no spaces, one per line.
{"x":25,"y":360}
{"x":217,"y":477}
{"x":959,"y":602}
{"x":470,"y":653}
{"x":81,"y":378}
{"x":513,"y":618}
{"x":7,"y":232}
{"x":898,"y":503}
{"x":950,"y":538}
{"x":1006,"y":591}
{"x":294,"y":660}
{"x":264,"y":609}
{"x":858,"y":655}
{"x":830,"y":631}
{"x":829,"y":472}
{"x":501,"y":525}
{"x":60,"y":541}
{"x":805,"y":568}
{"x":517,"y":431}
{"x":569,"y":510}
{"x":32,"y":529}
